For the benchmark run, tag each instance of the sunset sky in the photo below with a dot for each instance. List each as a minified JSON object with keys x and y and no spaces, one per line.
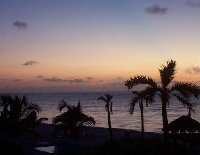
{"x":94,"y":45}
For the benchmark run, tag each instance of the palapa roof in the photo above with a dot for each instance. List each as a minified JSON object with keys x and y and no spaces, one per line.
{"x":183,"y":124}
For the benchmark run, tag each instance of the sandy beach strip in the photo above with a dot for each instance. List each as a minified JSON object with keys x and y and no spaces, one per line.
{"x":89,"y":136}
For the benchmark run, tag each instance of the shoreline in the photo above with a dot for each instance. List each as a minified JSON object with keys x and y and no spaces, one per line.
{"x":70,"y":92}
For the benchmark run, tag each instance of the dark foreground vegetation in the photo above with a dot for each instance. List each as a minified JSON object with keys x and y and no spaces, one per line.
{"x":151,"y":146}
{"x":9,"y":148}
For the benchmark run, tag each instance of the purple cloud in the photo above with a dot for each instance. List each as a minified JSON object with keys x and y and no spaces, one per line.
{"x":40,"y":76}
{"x":188,"y":71}
{"x":55,"y":79}
{"x":89,"y":78}
{"x":17,"y":80}
{"x":193,"y":70}
{"x":119,"y":78}
{"x":29,"y":63}
{"x":75,"y":81}
{"x":193,"y":3}
{"x":196,"y":69}
{"x":156,"y":10}
{"x":20,"y":25}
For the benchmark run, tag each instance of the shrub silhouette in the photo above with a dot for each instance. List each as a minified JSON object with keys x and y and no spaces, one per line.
{"x":73,"y":119}
{"x":18,"y":114}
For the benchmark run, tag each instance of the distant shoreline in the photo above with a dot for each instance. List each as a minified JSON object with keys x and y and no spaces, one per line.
{"x":103,"y":92}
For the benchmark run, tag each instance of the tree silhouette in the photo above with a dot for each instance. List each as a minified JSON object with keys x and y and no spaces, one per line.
{"x":18,"y":113}
{"x":108,"y":100}
{"x":140,"y":97}
{"x":183,"y":91}
{"x":73,"y":119}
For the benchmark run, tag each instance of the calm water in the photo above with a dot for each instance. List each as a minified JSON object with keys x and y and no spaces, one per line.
{"x":121,"y":117}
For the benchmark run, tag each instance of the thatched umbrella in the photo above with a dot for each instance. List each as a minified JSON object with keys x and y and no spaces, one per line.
{"x":184,"y":124}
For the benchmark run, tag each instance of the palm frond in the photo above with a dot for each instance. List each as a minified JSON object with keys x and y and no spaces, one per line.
{"x":58,"y":119}
{"x":72,"y":119}
{"x":6,"y":100}
{"x":107,"y":106}
{"x":17,"y":99}
{"x":87,"y":120}
{"x":134,"y":100}
{"x":108,"y":97}
{"x":32,"y":107}
{"x":29,"y":120}
{"x":186,"y":89}
{"x":24,"y":100}
{"x":102,"y":98}
{"x":63,"y":104}
{"x":185,"y":102}
{"x":79,"y":108}
{"x":40,"y":120}
{"x":140,"y":79}
{"x":111,"y":104}
{"x":28,"y":111}
{"x":167,"y":73}
{"x":148,"y":94}
{"x":138,"y":96}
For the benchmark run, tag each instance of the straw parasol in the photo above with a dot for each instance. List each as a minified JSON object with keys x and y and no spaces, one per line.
{"x":184,"y":124}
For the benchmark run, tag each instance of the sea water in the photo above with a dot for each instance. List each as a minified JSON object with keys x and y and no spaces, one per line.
{"x":121,"y":118}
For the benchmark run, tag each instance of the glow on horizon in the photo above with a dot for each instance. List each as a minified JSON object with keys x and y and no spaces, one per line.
{"x":107,"y":41}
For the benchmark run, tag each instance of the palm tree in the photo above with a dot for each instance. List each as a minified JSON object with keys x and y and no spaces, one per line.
{"x":108,"y":100}
{"x":139,"y":97}
{"x":164,"y":90}
{"x":73,"y":119}
{"x":5,"y":102}
{"x":18,"y":113}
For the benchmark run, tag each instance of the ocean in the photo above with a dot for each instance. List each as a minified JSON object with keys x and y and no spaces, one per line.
{"x":121,"y":118}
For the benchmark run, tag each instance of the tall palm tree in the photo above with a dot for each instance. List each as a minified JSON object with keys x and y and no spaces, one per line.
{"x":108,"y":100}
{"x":73,"y":119}
{"x":167,"y":73}
{"x":140,"y":97}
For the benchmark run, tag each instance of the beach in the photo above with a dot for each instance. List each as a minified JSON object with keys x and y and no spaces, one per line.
{"x":90,"y":136}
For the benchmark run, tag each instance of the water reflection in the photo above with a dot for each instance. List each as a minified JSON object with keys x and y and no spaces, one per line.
{"x":49,"y":149}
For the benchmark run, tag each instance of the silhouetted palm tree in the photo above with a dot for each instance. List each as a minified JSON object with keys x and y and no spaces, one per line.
{"x":167,"y":74}
{"x":18,"y":113}
{"x":72,"y":119}
{"x":108,"y":100}
{"x":139,"y":97}
{"x":190,"y":111}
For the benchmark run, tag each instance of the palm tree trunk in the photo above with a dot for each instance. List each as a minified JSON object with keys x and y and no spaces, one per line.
{"x":110,"y":128}
{"x":164,"y":117}
{"x":142,"y":119}
{"x":142,"y":125}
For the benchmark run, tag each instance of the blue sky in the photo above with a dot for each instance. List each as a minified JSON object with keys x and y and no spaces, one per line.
{"x":102,"y":39}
